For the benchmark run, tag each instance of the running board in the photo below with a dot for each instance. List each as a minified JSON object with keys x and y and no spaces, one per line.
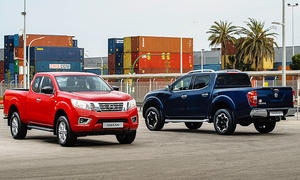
{"x":31,"y":126}
{"x":186,"y":120}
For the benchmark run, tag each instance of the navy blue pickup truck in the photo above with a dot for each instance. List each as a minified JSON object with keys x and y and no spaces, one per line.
{"x":224,"y":98}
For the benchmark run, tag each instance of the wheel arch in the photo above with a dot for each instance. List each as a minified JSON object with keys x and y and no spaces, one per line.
{"x":12,"y":108}
{"x":222,"y":102}
{"x":152,"y":102}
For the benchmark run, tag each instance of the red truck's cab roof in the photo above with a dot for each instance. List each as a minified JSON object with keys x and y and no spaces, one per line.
{"x":66,"y":73}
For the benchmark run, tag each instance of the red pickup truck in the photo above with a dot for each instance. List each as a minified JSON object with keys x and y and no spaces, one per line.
{"x":70,"y":105}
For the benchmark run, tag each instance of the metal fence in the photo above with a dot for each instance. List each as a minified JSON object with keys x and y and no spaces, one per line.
{"x":138,"y":85}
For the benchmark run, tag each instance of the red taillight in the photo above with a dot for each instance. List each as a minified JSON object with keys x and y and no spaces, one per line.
{"x":252,"y":98}
{"x":294,"y":97}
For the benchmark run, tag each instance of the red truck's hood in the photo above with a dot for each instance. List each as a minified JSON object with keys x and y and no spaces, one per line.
{"x":99,"y":96}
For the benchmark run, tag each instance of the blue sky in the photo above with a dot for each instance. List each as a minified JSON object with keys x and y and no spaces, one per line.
{"x":93,"y":21}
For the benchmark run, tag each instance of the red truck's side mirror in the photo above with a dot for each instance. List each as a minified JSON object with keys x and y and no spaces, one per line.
{"x":47,"y":90}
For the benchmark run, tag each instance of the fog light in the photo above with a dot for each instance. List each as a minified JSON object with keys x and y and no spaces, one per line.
{"x":134,"y":119}
{"x":83,"y":120}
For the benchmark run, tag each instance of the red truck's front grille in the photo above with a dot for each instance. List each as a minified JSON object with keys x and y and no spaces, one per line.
{"x":111,"y":107}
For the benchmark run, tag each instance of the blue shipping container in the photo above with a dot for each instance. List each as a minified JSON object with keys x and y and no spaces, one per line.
{"x":119,"y":71}
{"x":75,"y":43}
{"x":97,"y":71}
{"x":215,"y":67}
{"x":115,"y":45}
{"x":16,"y":40}
{"x":58,"y":66}
{"x":119,"y":60}
{"x":9,"y":41}
{"x":56,"y":54}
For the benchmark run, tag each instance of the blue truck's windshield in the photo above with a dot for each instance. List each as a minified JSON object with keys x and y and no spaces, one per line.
{"x":232,"y":80}
{"x":77,"y":83}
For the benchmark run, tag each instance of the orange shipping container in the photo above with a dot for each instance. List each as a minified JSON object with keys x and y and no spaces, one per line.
{"x":162,"y":63}
{"x":160,"y":44}
{"x":48,"y":40}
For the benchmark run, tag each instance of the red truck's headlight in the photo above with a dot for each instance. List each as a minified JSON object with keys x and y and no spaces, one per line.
{"x":129,"y":105}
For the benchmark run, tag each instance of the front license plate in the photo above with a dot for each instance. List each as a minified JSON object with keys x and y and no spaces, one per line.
{"x":113,"y":125}
{"x":276,"y":113}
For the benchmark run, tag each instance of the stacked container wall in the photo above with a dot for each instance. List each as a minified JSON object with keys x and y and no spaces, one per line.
{"x":119,"y":60}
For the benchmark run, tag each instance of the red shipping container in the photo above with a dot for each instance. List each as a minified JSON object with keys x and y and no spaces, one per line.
{"x":161,"y":44}
{"x":111,"y":64}
{"x":1,"y":77}
{"x":48,"y":40}
{"x":1,"y":67}
{"x":162,"y":64}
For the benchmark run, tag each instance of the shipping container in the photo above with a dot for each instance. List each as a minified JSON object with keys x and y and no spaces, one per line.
{"x":119,"y":60}
{"x":8,"y":41}
{"x":119,"y":71}
{"x":115,"y":45}
{"x":215,"y":67}
{"x":111,"y":64}
{"x":75,"y":43}
{"x":127,"y":60}
{"x":56,"y":53}
{"x":16,"y":40}
{"x":161,"y":44}
{"x":97,"y":71}
{"x":1,"y":67}
{"x":166,"y":63}
{"x":48,"y":40}
{"x":56,"y":59}
{"x":127,"y":45}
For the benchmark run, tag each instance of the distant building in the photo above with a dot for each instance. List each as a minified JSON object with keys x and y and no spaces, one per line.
{"x":97,"y":65}
{"x":1,"y":54}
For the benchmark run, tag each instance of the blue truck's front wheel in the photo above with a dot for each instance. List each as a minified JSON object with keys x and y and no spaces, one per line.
{"x":224,"y":122}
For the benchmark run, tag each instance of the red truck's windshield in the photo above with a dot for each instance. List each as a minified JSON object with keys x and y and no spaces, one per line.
{"x":77,"y":83}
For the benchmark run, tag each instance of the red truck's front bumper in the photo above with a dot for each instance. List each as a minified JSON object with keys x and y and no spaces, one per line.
{"x":128,"y":119}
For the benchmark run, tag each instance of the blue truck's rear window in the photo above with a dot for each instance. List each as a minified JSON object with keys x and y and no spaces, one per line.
{"x":233,"y":80}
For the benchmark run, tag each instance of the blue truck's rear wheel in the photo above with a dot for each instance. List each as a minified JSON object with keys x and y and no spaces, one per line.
{"x":17,"y":128}
{"x":265,"y":127}
{"x":224,"y":122}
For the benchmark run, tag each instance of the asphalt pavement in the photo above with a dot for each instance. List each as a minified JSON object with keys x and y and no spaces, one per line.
{"x":173,"y":153}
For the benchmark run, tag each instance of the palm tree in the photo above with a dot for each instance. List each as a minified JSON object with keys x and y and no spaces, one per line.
{"x":256,"y":43}
{"x":221,"y":34}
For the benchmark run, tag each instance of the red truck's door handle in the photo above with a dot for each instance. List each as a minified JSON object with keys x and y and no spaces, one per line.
{"x":38,"y":100}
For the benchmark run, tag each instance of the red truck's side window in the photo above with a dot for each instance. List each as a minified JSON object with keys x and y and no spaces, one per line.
{"x":36,"y":84}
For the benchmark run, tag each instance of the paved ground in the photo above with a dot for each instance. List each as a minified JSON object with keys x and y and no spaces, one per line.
{"x":174,"y":153}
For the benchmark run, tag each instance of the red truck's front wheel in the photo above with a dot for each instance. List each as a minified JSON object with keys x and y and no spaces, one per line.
{"x":65,"y":136}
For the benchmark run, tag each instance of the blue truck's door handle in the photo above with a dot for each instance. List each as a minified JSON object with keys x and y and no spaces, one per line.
{"x":204,"y":95}
{"x":184,"y":96}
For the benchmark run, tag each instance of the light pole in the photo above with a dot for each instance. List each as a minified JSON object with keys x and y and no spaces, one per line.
{"x":292,"y":6}
{"x":283,"y":44}
{"x":24,"y":46}
{"x":28,"y":60}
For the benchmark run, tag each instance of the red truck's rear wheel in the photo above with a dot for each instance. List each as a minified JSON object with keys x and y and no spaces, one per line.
{"x":65,"y":136}
{"x":17,"y":128}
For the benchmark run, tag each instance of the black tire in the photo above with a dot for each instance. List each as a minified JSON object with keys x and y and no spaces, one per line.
{"x":65,"y":136}
{"x":224,"y":122}
{"x":154,"y":120}
{"x":265,"y":127}
{"x":17,"y":128}
{"x":193,"y":125}
{"x":127,"y":137}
